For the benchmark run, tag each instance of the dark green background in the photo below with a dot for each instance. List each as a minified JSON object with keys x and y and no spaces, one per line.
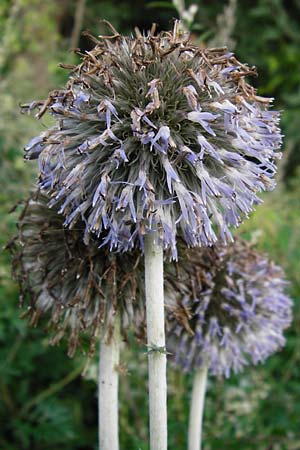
{"x":44,"y":402}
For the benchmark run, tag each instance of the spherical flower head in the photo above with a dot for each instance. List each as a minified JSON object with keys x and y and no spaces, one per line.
{"x":227,"y":308}
{"x":154,"y":133}
{"x":79,"y":288}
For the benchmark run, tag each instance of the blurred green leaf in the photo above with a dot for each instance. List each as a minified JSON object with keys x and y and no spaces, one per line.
{"x":161,"y":4}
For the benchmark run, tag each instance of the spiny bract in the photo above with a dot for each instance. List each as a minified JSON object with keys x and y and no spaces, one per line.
{"x":156,"y":133}
{"x":226,"y":308}
{"x":79,"y":288}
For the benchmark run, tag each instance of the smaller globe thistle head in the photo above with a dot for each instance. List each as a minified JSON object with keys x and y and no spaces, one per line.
{"x":154,"y":133}
{"x":79,"y":288}
{"x":226,"y":309}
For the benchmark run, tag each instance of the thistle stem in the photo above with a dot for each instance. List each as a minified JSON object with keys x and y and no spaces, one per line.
{"x":108,"y":389}
{"x":197,"y":408}
{"x":157,"y":361}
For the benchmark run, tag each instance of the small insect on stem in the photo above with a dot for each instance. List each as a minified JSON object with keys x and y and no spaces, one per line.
{"x":156,"y":349}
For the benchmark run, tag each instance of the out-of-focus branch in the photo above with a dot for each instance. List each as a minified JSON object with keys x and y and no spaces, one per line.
{"x":186,"y":15}
{"x":78,"y":20}
{"x":52,"y":389}
{"x":225,"y":24}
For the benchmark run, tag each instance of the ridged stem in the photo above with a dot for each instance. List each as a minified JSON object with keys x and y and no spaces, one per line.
{"x":157,"y":360}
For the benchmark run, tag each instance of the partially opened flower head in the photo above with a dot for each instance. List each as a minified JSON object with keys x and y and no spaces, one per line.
{"x":155,"y":133}
{"x":226,"y":309}
{"x":78,"y":288}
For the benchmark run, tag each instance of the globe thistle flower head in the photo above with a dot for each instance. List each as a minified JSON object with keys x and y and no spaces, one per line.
{"x":226,"y":309}
{"x":79,"y":288}
{"x":154,"y":133}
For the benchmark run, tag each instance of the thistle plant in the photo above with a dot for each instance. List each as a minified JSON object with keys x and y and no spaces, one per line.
{"x":155,"y":137}
{"x":84,"y":292}
{"x":154,"y":133}
{"x":226,"y":310}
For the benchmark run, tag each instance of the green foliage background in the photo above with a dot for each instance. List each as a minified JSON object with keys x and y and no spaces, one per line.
{"x":45,"y":403}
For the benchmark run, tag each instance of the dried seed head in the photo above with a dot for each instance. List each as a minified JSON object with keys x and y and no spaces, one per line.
{"x":226,"y":309}
{"x":78,"y":287}
{"x":155,"y":133}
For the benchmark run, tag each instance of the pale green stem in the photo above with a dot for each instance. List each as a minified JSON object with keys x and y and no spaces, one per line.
{"x":157,"y":361}
{"x":108,"y":389}
{"x":196,"y":409}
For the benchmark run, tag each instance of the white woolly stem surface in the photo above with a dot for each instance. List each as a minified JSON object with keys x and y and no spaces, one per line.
{"x":108,"y":389}
{"x":157,"y":361}
{"x":197,"y":408}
